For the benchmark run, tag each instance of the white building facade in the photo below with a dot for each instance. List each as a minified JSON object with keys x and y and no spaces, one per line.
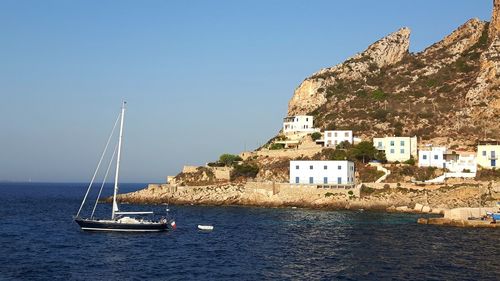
{"x":431,"y":157}
{"x":334,"y":138}
{"x":298,"y":124}
{"x":488,"y":155}
{"x":322,"y":172}
{"x":397,"y":148}
{"x":461,"y":162}
{"x":454,"y":161}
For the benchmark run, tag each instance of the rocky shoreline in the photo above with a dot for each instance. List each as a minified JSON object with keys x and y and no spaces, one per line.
{"x":379,"y":197}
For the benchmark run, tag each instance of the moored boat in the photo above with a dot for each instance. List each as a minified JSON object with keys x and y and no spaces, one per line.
{"x":120,"y":221}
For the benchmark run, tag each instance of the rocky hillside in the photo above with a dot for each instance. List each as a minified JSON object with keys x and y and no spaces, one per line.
{"x":449,"y":90}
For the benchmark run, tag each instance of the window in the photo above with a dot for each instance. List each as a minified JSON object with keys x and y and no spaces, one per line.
{"x":436,"y":157}
{"x":307,"y":119}
{"x":339,"y":180}
{"x":392,"y":143}
{"x":311,"y":180}
{"x":325,"y":180}
{"x":402,"y":143}
{"x":392,"y":150}
{"x":297,"y":167}
{"x":311,"y":167}
{"x":297,"y":179}
{"x":484,"y":152}
{"x":347,"y":134}
{"x":329,"y":134}
{"x":424,"y":157}
{"x":402,"y":151}
{"x":379,"y":144}
{"x":339,"y":167}
{"x":352,"y":168}
{"x":335,"y":134}
{"x":325,"y":167}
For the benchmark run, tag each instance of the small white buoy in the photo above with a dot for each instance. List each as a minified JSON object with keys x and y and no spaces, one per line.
{"x":205,"y":227}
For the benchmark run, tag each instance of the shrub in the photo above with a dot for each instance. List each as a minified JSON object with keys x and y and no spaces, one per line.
{"x":276,"y":146}
{"x":316,"y":136}
{"x":328,"y":194}
{"x":229,"y":159}
{"x":379,"y":95}
{"x":245,"y":170}
{"x":424,"y":174}
{"x":338,"y":154}
{"x":380,"y":114}
{"x":215,"y":164}
{"x":410,"y":161}
{"x":369,"y":174}
{"x":488,"y":175}
{"x":344,"y":145}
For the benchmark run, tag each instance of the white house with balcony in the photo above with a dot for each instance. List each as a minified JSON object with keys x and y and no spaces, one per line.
{"x":488,"y":154}
{"x":298,"y":124}
{"x":397,"y":148}
{"x":338,"y":172}
{"x":441,"y":157}
{"x":334,"y":138}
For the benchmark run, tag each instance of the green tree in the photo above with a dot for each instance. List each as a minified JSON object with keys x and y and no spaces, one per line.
{"x":344,"y":145}
{"x":316,"y":136}
{"x":229,"y":159}
{"x":364,"y":151}
{"x":338,"y":154}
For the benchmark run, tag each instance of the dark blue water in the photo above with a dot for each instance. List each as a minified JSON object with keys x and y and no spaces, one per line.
{"x":39,"y":241}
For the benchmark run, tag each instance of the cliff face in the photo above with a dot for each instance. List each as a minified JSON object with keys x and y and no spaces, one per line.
{"x":451,"y":89}
{"x":387,"y":51}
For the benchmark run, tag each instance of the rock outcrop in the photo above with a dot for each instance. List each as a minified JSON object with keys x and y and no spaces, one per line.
{"x":451,"y":89}
{"x":486,"y":90}
{"x":387,"y":51}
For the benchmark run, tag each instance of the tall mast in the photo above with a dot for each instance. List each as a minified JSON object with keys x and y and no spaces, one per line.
{"x":115,"y":205}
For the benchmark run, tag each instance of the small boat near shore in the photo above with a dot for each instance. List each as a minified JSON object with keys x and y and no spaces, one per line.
{"x":120,"y":221}
{"x":205,"y":227}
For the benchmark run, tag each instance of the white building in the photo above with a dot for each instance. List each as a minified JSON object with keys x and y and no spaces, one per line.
{"x":488,"y":153}
{"x":397,"y":148}
{"x":461,"y":162}
{"x":334,"y":138}
{"x":431,"y":156}
{"x":322,"y":172}
{"x":440,"y":157}
{"x":298,"y":124}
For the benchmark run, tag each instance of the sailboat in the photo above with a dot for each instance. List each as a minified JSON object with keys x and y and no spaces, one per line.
{"x":119,"y":221}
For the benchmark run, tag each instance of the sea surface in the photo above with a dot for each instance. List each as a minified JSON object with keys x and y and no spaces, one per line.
{"x":40,"y":241}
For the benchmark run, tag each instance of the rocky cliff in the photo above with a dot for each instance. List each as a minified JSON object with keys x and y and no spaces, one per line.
{"x":451,"y":89}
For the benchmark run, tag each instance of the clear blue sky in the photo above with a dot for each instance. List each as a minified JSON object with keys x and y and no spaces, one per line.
{"x":201,"y":77}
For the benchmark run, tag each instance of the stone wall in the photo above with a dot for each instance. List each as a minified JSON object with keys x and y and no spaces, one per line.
{"x":221,"y":173}
{"x":286,"y":189}
{"x":189,"y":169}
{"x":465,"y":213}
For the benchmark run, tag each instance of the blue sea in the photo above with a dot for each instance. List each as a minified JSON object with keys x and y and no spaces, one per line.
{"x":40,"y":241}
